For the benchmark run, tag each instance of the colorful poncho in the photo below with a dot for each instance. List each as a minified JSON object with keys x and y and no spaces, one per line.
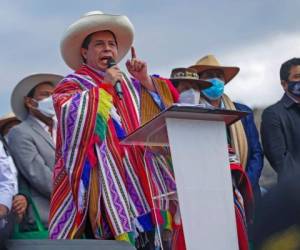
{"x":95,"y":177}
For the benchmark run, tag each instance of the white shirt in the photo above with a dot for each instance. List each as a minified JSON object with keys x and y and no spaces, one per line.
{"x":43,"y":125}
{"x":8,"y":179}
{"x":46,"y":127}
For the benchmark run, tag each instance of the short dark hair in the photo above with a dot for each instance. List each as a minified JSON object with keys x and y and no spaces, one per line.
{"x":87,"y":41}
{"x":286,"y":67}
{"x":31,"y":92}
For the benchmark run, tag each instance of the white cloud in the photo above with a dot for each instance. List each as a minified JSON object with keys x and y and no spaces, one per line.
{"x":257,"y":83}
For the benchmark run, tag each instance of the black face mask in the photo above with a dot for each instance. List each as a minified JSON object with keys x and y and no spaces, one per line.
{"x":294,"y":87}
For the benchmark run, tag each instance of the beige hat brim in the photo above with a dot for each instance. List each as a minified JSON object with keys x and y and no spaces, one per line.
{"x":202,"y":84}
{"x":10,"y":117}
{"x":76,"y":33}
{"x":229,"y":72}
{"x":24,"y":87}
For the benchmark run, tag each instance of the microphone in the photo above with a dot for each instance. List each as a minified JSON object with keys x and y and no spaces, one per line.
{"x":110,"y":63}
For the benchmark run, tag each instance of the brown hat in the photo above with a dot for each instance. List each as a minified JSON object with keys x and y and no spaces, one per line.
{"x":210,"y":62}
{"x":189,"y":75}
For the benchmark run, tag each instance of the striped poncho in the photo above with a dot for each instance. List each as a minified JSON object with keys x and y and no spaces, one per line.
{"x":95,"y":177}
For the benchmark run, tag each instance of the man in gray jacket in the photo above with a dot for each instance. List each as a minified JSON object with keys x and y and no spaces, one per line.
{"x":32,"y":142}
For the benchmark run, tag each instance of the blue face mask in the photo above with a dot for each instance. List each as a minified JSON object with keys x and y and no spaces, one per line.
{"x":294,"y":88}
{"x":216,"y":90}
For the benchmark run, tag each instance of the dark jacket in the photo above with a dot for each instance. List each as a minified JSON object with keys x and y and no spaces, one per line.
{"x":280,"y":131}
{"x":255,"y":154}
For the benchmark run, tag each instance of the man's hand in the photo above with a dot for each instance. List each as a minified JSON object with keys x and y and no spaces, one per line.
{"x":19,"y":206}
{"x":138,"y":69}
{"x":112,"y":75}
{"x":3,"y":211}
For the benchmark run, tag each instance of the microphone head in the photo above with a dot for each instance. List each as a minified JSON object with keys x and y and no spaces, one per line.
{"x":111,"y":62}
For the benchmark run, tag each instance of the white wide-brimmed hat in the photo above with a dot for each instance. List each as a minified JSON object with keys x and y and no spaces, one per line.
{"x":92,"y":22}
{"x":23,"y":88}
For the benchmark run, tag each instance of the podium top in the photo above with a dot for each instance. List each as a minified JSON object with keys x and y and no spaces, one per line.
{"x":154,"y":132}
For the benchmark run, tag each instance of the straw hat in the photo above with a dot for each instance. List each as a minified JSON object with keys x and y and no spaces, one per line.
{"x":6,"y":119}
{"x":92,"y":22}
{"x":210,"y":62}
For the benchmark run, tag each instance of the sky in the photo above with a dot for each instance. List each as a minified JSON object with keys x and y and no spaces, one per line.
{"x":257,"y":36}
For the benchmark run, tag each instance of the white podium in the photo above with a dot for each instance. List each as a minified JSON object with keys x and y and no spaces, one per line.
{"x":198,"y":143}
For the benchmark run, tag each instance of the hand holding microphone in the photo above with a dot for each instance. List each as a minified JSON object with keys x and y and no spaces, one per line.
{"x":114,"y":75}
{"x":136,"y":67}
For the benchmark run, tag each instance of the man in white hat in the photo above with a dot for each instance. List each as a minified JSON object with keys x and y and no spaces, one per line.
{"x":31,"y":143}
{"x":100,"y":186}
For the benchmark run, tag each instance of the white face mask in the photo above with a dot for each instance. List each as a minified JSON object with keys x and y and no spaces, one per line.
{"x":190,"y":96}
{"x":46,"y":107}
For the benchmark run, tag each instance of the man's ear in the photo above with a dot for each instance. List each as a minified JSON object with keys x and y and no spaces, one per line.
{"x":83,"y":53}
{"x":29,"y":103}
{"x":284,"y":84}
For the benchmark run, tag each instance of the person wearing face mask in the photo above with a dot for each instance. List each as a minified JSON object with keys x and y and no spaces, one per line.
{"x":243,"y":139}
{"x":190,"y":86}
{"x":281,"y":122}
{"x":187,"y":83}
{"x":32,"y":142}
{"x":243,"y":135}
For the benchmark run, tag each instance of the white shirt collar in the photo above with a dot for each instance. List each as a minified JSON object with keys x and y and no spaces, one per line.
{"x":46,"y":127}
{"x":43,"y":125}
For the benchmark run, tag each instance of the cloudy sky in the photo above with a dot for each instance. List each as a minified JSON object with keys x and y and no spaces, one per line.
{"x":256,"y":35}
